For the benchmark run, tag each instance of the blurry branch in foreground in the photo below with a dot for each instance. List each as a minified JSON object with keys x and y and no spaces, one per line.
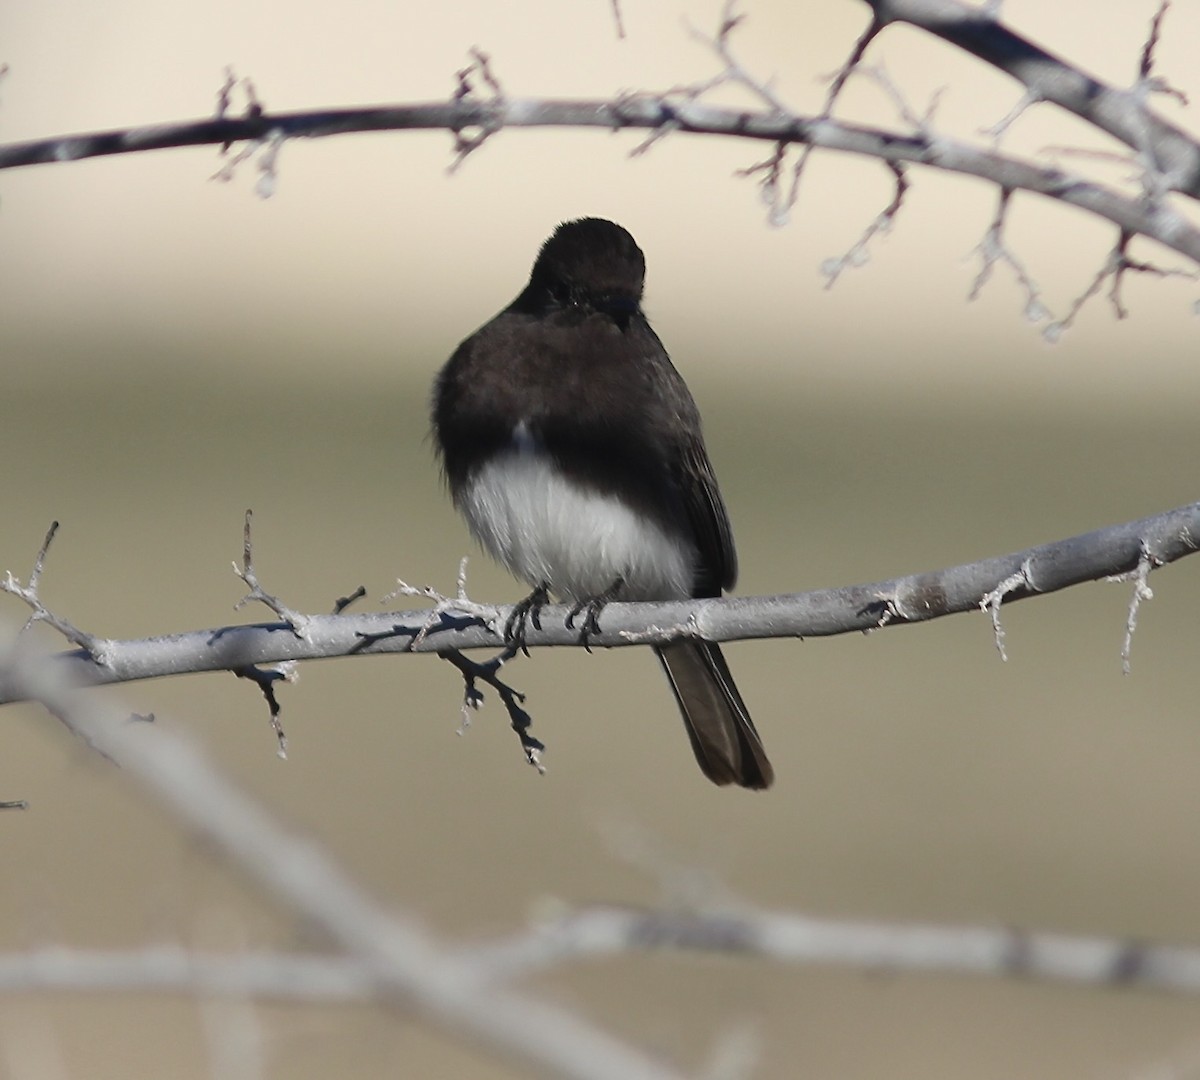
{"x":599,"y":933}
{"x":402,"y":965}
{"x":375,"y":955}
{"x":1165,"y":159}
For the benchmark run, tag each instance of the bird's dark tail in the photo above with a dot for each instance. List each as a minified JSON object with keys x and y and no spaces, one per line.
{"x":722,"y":734}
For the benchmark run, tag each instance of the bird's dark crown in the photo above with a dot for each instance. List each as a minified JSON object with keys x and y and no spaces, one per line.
{"x":591,"y":261}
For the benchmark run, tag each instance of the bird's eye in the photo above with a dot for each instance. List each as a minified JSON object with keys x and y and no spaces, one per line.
{"x":563,"y":294}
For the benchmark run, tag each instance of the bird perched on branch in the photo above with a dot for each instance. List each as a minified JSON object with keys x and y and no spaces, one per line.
{"x":573,"y":448}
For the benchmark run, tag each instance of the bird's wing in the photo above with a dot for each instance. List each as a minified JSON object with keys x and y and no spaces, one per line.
{"x":709,"y":520}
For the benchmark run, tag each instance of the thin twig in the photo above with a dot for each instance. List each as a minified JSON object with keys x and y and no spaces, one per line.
{"x":473,"y":672}
{"x":94,"y":646}
{"x":1156,"y":83}
{"x":617,"y":19}
{"x":296,"y":622}
{"x":993,"y":250}
{"x":859,"y":251}
{"x":1117,"y":264}
{"x":836,"y":84}
{"x":1140,"y":577}
{"x":465,"y":93}
{"x":447,"y":608}
{"x":991,"y":601}
{"x":265,"y":679}
{"x":343,"y":602}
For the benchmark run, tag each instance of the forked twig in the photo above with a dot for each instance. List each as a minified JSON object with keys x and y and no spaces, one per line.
{"x":297,"y":623}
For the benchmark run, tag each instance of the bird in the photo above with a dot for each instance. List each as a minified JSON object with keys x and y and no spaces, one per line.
{"x":573,"y":448}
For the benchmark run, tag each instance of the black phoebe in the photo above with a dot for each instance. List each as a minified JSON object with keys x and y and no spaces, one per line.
{"x":573,"y":448}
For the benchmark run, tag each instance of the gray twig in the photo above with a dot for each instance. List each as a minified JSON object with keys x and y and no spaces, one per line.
{"x":993,"y":250}
{"x":265,"y":679}
{"x":859,"y":252}
{"x":1140,"y":577}
{"x":92,"y":645}
{"x":486,"y":672}
{"x":296,"y":622}
{"x":466,"y":92}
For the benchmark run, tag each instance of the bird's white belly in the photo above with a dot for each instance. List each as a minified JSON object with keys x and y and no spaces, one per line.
{"x":547,"y":529}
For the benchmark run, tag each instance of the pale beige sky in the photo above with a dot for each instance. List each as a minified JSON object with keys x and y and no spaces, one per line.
{"x":369,"y":252}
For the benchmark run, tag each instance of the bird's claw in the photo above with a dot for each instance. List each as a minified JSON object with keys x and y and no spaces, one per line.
{"x":523,"y":614}
{"x":590,"y":609}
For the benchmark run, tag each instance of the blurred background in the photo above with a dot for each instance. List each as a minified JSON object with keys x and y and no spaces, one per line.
{"x":176,"y":350}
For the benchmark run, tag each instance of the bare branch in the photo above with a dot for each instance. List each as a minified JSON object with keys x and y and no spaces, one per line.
{"x":1140,"y":577}
{"x":94,"y":646}
{"x":859,"y":253}
{"x":1169,"y":159}
{"x":265,"y":679}
{"x":779,"y":204}
{"x":1111,"y":268}
{"x":598,"y":933}
{"x":343,"y":602}
{"x":1152,"y":83}
{"x":408,"y":968}
{"x":993,"y":250}
{"x":836,"y":84}
{"x":1103,"y":553}
{"x":1116,"y":266}
{"x":618,"y":21}
{"x":1125,"y":265}
{"x":225,"y":94}
{"x":466,"y":92}
{"x":472,"y":672}
{"x":733,"y":71}
{"x":1146,"y":62}
{"x":838,"y":80}
{"x":449,"y":608}
{"x":1158,"y":222}
{"x":268,"y":174}
{"x":172,"y":969}
{"x":921,"y":123}
{"x":228,"y":171}
{"x":458,"y":605}
{"x":297,"y":623}
{"x":997,"y":131}
{"x":1120,"y":113}
{"x":992,"y":600}
{"x":39,"y":563}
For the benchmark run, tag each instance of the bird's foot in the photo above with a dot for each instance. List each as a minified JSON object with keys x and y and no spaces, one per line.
{"x":590,"y":609}
{"x":527,"y":612}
